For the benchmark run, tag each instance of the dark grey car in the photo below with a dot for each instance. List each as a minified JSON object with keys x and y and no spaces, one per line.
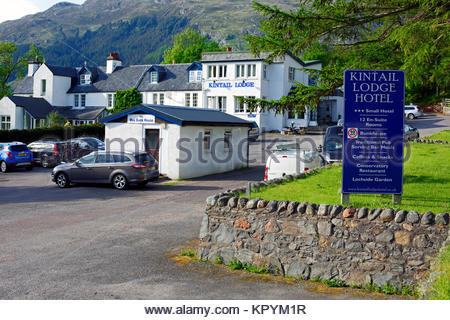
{"x":118,"y":168}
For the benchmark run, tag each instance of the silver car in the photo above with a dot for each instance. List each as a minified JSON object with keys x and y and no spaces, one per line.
{"x":413,"y":111}
{"x":117,"y":168}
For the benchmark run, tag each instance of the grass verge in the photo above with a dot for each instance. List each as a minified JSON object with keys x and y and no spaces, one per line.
{"x":426,"y":184}
{"x":442,"y":135}
{"x":440,"y":288}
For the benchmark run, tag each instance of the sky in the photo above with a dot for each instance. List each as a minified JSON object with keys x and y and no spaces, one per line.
{"x":15,"y":9}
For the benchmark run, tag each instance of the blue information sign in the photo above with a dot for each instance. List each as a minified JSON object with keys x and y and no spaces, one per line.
{"x":373,"y":131}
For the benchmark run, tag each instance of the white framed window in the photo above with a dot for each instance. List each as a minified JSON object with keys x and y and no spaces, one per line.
{"x":227,"y":137}
{"x":83,"y":100}
{"x":153,"y":77}
{"x":110,"y":100}
{"x":265,"y":71}
{"x":251,"y":70}
{"x":85,"y":79}
{"x":222,"y":71}
{"x":212,"y":72}
{"x":207,"y":140}
{"x":219,"y":103}
{"x":43,"y":87}
{"x":240,"y":106}
{"x":240,"y":70}
{"x":5,"y":123}
{"x":291,"y":75}
{"x":161,"y":98}
{"x":76,"y":100}
{"x":155,"y":98}
{"x":212,"y":102}
{"x":195,"y":99}
{"x":222,"y":104}
{"x":187,"y":99}
{"x":195,"y":76}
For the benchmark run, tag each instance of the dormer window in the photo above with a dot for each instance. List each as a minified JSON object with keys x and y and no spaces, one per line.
{"x":195,"y":76}
{"x":154,"y":77}
{"x":85,"y":79}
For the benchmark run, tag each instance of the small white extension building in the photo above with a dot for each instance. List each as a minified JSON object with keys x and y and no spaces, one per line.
{"x":187,"y":142}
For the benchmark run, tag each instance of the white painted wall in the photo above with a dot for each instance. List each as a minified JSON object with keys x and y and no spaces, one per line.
{"x":208,"y":162}
{"x":8,"y":108}
{"x":60,"y":86}
{"x":43,"y":73}
{"x":184,"y":162}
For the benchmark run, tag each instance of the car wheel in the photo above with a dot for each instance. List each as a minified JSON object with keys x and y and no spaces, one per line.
{"x":120,"y":181}
{"x":62,"y":180}
{"x":3,"y":167}
{"x":44,"y":162}
{"x":410,"y":116}
{"x":29,"y":168}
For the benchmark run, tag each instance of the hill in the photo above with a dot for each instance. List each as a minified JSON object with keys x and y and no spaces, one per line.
{"x":69,"y":34}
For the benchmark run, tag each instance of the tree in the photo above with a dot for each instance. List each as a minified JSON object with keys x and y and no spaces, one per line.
{"x":13,"y":66}
{"x":126,"y":99}
{"x":411,"y":35}
{"x":54,"y":119}
{"x":188,"y":47}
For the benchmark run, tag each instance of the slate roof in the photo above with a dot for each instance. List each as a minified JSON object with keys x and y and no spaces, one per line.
{"x":87,"y":113}
{"x":183,"y":116}
{"x":175,"y":78}
{"x":172,"y":78}
{"x":63,"y":71}
{"x":39,"y":108}
{"x":25,"y":86}
{"x":229,"y":56}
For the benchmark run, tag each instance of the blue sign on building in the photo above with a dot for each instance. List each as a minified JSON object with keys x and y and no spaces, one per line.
{"x":373,"y":131}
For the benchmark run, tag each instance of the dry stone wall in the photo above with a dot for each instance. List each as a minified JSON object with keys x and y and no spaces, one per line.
{"x":356,"y":245}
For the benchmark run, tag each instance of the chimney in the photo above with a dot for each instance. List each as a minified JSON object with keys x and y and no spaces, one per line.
{"x":33,"y":66}
{"x":112,"y":62}
{"x":229,"y":49}
{"x":173,"y":61}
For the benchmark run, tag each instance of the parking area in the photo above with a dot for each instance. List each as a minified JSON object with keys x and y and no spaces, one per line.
{"x":95,"y":242}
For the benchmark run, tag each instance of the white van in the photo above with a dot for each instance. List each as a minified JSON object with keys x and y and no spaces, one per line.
{"x":290,"y":162}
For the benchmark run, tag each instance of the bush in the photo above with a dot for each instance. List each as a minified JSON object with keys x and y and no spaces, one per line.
{"x":61,"y":133}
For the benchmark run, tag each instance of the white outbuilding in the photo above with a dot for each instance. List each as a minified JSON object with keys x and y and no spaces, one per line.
{"x":187,"y":142}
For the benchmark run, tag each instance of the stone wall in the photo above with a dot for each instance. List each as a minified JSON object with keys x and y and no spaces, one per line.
{"x":309,"y":241}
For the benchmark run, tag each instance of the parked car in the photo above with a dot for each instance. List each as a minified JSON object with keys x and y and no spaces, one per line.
{"x":254,"y":132}
{"x":290,"y":162}
{"x":47,"y":153}
{"x":118,"y":168}
{"x":410,"y":133}
{"x":413,"y":111}
{"x":332,"y":143}
{"x":15,"y":155}
{"x":79,"y":147}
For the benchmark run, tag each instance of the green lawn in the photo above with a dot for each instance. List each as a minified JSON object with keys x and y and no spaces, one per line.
{"x":426,"y":184}
{"x":442,"y":135}
{"x":440,"y":288}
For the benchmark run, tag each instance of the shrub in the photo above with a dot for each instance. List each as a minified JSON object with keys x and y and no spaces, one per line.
{"x":61,"y":133}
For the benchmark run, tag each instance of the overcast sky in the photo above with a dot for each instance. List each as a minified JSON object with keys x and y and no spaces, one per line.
{"x":15,"y":9}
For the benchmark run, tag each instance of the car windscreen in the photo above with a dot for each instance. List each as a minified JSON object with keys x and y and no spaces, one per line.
{"x":334,"y":139}
{"x":18,"y":148}
{"x":144,"y":158}
{"x":94,"y":142}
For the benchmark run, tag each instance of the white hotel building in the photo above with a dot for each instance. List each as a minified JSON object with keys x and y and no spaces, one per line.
{"x":84,"y":94}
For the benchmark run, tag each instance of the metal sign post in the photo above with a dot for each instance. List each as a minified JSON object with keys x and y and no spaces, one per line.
{"x":373,"y":133}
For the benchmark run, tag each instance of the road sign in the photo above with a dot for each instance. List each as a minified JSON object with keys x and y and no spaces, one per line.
{"x":373,"y":127}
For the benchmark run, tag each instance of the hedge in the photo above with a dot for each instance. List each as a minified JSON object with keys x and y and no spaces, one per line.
{"x":61,"y":133}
